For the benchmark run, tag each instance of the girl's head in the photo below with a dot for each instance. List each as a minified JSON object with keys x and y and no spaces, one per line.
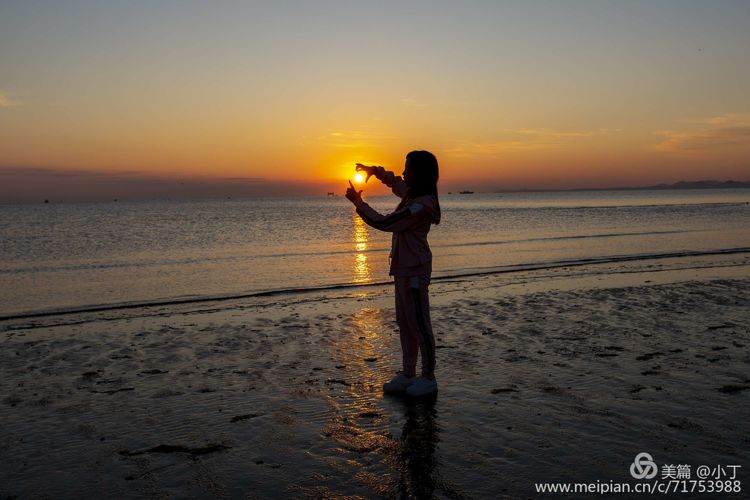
{"x":421,"y":173}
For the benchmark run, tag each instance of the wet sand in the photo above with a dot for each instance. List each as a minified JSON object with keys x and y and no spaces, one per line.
{"x":556,"y":375}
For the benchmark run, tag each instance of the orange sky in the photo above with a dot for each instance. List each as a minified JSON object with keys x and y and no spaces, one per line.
{"x":507,"y":95}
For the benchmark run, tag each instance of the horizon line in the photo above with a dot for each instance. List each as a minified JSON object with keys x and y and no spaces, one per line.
{"x":679,"y":185}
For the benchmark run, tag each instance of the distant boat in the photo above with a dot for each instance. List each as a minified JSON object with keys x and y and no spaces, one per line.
{"x":330,"y":193}
{"x":466,"y":192}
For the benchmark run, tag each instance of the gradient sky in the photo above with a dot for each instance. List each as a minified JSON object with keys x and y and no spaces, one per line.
{"x":547,"y":94}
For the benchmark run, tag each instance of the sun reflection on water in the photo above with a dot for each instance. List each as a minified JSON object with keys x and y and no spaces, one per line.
{"x":361,"y":236}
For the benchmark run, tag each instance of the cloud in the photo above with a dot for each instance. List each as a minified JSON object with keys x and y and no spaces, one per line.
{"x":523,"y":139}
{"x":23,"y":184}
{"x":559,"y":134}
{"x":410,"y":102}
{"x":7,"y":102}
{"x":725,"y":131}
{"x":353,"y":139}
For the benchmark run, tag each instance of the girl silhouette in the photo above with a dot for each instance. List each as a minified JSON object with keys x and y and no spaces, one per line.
{"x":410,"y":262}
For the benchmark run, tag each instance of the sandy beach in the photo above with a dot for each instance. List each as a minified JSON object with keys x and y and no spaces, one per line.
{"x":549,"y":375}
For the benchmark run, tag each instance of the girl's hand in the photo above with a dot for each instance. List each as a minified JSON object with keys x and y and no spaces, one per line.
{"x":370,"y":170}
{"x":352,"y":194}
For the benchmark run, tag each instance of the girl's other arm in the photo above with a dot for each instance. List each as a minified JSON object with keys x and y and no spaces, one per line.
{"x":399,"y":220}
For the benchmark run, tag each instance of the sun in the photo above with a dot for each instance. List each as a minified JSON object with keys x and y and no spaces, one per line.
{"x":358,"y":178}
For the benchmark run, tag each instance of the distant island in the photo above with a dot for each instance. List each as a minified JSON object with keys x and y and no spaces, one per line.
{"x":706,"y":184}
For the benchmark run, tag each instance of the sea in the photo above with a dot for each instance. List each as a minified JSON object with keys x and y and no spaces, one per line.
{"x":66,"y":257}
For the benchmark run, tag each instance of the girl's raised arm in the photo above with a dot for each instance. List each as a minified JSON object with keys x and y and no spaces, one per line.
{"x":393,"y":181}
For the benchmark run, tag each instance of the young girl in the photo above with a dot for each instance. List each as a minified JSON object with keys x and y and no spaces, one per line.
{"x":411,"y":262}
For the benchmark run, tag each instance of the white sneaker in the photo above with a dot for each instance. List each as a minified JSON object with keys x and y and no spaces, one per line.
{"x":422,"y":386}
{"x":398,"y":384}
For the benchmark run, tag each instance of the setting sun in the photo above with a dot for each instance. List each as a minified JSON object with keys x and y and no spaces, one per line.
{"x":359,"y":178}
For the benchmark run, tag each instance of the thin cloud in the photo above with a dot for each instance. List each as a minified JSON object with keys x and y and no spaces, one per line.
{"x":61,"y":173}
{"x":7,"y":102}
{"x":724,"y":131}
{"x":410,"y":102}
{"x":353,"y":139}
{"x":134,"y":175}
{"x":548,"y":133}
{"x":523,"y":139}
{"x":23,"y":184}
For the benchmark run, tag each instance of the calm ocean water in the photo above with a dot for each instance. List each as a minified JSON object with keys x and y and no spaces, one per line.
{"x":62,"y":256}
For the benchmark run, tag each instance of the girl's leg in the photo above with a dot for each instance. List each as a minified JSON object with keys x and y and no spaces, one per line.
{"x":407,"y":326}
{"x":419,"y":290}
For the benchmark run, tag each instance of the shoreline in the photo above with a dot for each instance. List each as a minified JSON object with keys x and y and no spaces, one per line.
{"x":554,"y":375}
{"x":475,"y":273}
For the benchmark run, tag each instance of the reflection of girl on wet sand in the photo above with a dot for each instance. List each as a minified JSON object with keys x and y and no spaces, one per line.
{"x":419,"y":439}
{"x":411,"y":262}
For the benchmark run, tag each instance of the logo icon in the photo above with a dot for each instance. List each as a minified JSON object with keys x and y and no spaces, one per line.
{"x":643,"y":467}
